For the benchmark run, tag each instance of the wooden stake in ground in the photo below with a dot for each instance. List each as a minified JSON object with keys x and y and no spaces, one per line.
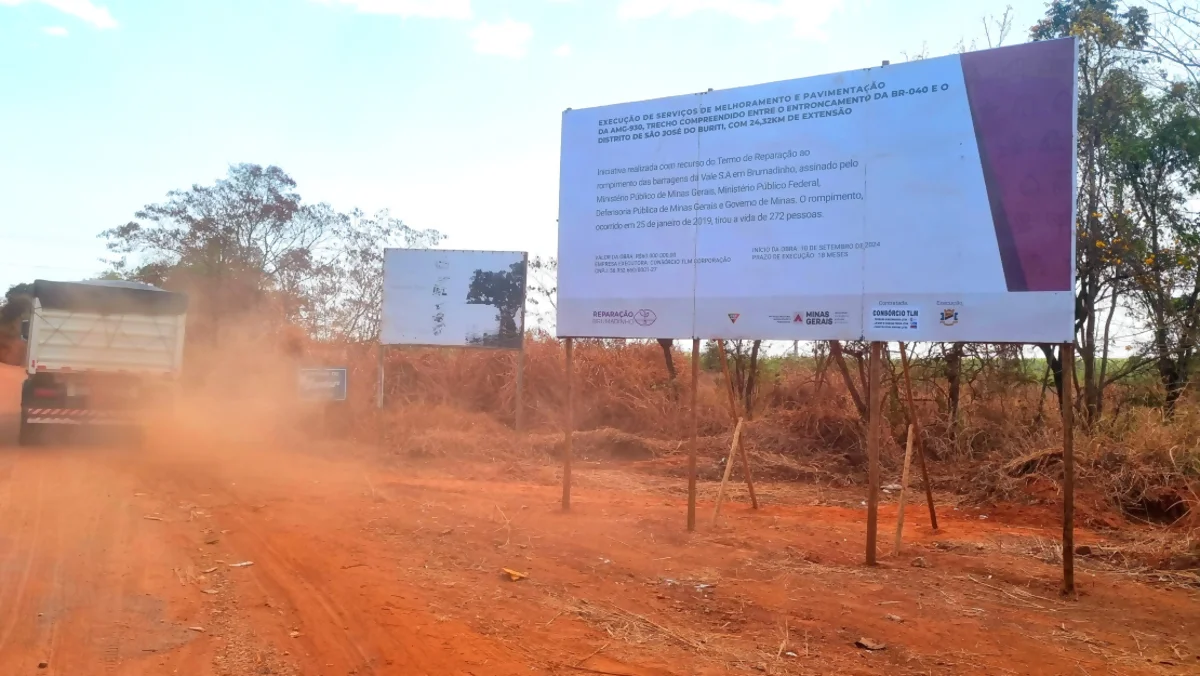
{"x":873,"y":415}
{"x":691,"y":515}
{"x":737,"y":435}
{"x":1068,"y":420}
{"x":736,"y":415}
{"x":569,"y":433}
{"x":903,"y":490}
{"x":916,"y":423}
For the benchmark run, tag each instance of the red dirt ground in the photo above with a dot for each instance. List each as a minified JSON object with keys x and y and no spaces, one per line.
{"x":117,"y":561}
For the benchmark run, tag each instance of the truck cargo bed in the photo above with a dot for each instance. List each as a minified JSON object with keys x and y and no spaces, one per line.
{"x":66,"y":340}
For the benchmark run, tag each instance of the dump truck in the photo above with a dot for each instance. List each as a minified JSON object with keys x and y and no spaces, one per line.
{"x":99,"y":353}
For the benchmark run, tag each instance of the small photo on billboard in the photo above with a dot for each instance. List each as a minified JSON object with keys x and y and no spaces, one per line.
{"x":454,"y":298}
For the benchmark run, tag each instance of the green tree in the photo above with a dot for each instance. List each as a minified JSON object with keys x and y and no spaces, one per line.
{"x":17,"y":304}
{"x":505,"y":290}
{"x":543,"y":287}
{"x":15,"y":307}
{"x":1108,"y":73}
{"x":1157,"y":165}
{"x":249,"y":245}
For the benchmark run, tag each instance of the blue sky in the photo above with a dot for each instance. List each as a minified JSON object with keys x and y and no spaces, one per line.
{"x":444,"y":111}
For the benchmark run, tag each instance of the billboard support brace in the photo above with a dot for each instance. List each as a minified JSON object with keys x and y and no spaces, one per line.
{"x":873,"y":415}
{"x":903,"y":491}
{"x":737,"y":435}
{"x":916,"y":424}
{"x":691,"y":513}
{"x":570,"y":431}
{"x":735,"y":412}
{"x":1067,"y":358}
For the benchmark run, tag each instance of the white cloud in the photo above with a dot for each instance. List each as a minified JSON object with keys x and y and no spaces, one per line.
{"x":807,"y":16}
{"x":563,"y":50}
{"x":83,"y":10}
{"x":507,"y":38}
{"x":424,"y":9}
{"x":56,"y":31}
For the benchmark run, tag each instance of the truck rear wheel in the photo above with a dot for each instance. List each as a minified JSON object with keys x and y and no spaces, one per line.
{"x":29,"y":434}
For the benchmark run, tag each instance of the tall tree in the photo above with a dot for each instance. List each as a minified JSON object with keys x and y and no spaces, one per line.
{"x":1108,"y":60}
{"x":346,"y":301}
{"x":15,"y":307}
{"x":543,"y":287}
{"x":249,"y":244}
{"x":1157,"y":163}
{"x":228,"y":244}
{"x":1175,"y":39}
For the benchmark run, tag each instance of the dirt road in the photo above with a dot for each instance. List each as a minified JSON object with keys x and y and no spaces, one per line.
{"x":128,"y":561}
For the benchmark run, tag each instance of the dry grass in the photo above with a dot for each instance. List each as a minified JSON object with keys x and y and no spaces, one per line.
{"x":1005,"y":443}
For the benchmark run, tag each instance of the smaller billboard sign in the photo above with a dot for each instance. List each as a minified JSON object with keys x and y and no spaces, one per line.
{"x":453,"y":298}
{"x":323,"y":384}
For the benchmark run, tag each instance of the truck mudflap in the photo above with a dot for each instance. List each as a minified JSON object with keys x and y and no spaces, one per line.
{"x":73,"y":416}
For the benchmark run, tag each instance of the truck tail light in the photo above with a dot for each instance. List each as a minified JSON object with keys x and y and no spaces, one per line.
{"x":45,"y":392}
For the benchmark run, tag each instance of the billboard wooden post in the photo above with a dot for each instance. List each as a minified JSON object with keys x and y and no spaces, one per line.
{"x":379,"y":393}
{"x":519,"y":421}
{"x":916,"y":424}
{"x":379,"y":377}
{"x":691,"y":513}
{"x":1068,"y":420}
{"x":873,"y":415}
{"x":569,"y":433}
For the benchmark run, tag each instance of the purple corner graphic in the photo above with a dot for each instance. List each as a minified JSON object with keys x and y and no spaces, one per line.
{"x":1022,"y":101}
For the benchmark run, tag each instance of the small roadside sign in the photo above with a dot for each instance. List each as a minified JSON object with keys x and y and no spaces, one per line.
{"x":324,"y":384}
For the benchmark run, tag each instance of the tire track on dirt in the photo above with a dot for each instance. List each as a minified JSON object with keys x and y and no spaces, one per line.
{"x":57,"y":602}
{"x":31,"y":540}
{"x":60,"y":564}
{"x":113,"y":606}
{"x":275,"y":572}
{"x":337,"y":618}
{"x":56,"y":605}
{"x":298,"y":593}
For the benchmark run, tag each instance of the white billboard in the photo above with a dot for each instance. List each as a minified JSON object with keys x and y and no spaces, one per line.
{"x":453,"y":298}
{"x":932,"y":200}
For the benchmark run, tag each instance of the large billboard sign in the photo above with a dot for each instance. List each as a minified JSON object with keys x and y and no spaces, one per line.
{"x":453,"y":298}
{"x":931,"y":200}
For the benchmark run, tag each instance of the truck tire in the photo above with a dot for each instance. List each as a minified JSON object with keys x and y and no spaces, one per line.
{"x":28,"y":435}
